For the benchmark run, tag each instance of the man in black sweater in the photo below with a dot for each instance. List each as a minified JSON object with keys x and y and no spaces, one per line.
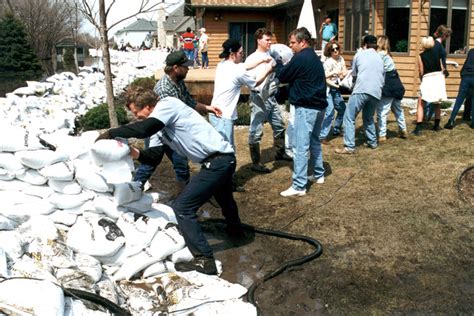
{"x":307,"y":92}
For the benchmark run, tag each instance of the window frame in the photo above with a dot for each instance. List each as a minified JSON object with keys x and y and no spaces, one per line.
{"x":449,"y":24}
{"x":361,"y":15}
{"x":407,"y":53}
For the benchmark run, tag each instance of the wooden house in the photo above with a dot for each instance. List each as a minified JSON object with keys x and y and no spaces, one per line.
{"x":405,"y":22}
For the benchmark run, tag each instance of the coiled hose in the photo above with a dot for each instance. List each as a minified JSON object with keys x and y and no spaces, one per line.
{"x":318,"y":251}
{"x":458,"y":183}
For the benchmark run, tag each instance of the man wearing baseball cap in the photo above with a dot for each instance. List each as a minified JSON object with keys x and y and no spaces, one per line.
{"x":172,"y":85}
{"x":369,"y":76}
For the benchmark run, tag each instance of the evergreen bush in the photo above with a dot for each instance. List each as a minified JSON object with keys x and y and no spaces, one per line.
{"x":98,"y":118}
{"x":243,"y":114}
{"x":68,"y":58}
{"x":145,"y":82}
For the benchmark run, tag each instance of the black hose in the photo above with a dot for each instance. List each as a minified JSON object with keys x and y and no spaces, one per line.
{"x":458,"y":183}
{"x":280,"y":269}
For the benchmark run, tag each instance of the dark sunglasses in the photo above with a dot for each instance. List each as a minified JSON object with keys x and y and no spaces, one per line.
{"x":335,"y":49}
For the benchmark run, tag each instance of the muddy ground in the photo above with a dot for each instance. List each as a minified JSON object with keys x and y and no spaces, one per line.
{"x":398,"y":236}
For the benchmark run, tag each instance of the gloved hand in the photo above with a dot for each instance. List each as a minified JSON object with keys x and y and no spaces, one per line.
{"x":104,"y":135}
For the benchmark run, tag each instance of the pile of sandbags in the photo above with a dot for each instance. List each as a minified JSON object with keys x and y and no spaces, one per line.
{"x":72,"y":216}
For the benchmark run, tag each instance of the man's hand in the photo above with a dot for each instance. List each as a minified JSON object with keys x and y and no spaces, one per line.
{"x":214,"y":110}
{"x":134,"y":152}
{"x":104,"y":135}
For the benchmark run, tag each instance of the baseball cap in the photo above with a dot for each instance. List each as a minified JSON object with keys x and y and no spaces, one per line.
{"x":370,"y":39}
{"x":178,"y":58}
{"x":202,"y":29}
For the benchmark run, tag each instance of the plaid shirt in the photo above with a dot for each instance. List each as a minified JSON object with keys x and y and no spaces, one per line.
{"x":165,"y":87}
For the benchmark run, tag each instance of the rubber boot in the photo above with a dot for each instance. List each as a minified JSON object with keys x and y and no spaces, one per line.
{"x":436,"y":126}
{"x":255,"y":155}
{"x":449,"y":125}
{"x":279,"y":145}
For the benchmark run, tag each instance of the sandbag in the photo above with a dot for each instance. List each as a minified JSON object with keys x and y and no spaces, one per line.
{"x":15,"y":138}
{"x":127,"y":192}
{"x":10,"y":165}
{"x":158,"y":268}
{"x":106,"y":150}
{"x":140,"y":206}
{"x":7,"y":223}
{"x":68,"y":201}
{"x":91,"y":180}
{"x":42,"y":191}
{"x":63,"y":217}
{"x":65,"y":187}
{"x":89,"y":237}
{"x":42,"y":298}
{"x":37,"y":159}
{"x":118,"y":171}
{"x":39,"y":227}
{"x":13,"y":185}
{"x":12,"y":243}
{"x":107,"y":205}
{"x":32,"y":176}
{"x":4,"y":273}
{"x":162,"y":210}
{"x":183,"y":255}
{"x":61,"y":171}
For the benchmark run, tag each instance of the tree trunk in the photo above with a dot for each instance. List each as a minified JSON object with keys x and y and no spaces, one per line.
{"x":106,"y":60}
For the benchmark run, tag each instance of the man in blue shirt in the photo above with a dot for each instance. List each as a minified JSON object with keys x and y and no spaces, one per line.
{"x":307,"y":85}
{"x":328,"y":31}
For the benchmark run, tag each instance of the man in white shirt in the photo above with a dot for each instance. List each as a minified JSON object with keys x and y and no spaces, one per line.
{"x":263,"y":106}
{"x":231,"y":75}
{"x":203,"y":48}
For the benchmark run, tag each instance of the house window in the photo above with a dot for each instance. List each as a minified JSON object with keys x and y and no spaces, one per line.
{"x":397,"y":24}
{"x":245,"y":33}
{"x":80,"y":50}
{"x":454,"y":14}
{"x":356,"y":23}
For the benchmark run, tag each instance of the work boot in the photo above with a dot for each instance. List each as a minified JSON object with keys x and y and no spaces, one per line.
{"x":449,"y":125}
{"x":279,"y":145}
{"x":255,"y":155}
{"x":202,"y":264}
{"x":236,"y":187}
{"x":436,"y":126}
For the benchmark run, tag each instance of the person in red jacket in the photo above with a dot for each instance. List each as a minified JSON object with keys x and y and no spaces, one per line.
{"x":188,"y":38}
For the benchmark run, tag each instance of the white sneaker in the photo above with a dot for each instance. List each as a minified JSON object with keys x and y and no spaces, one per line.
{"x":292,"y":192}
{"x":319,"y":180}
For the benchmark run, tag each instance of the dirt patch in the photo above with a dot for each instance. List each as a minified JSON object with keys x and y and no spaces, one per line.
{"x":397,"y":237}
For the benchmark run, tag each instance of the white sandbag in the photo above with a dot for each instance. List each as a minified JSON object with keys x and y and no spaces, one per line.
{"x":107,"y":205}
{"x":91,"y":180}
{"x":10,"y":165}
{"x":107,"y":288}
{"x":282,"y":52}
{"x":5,"y":176}
{"x":4,"y":273}
{"x":232,"y":307}
{"x":118,"y":171}
{"x":22,"y":211}
{"x":37,"y":159}
{"x":162,"y":210}
{"x":71,"y":146}
{"x":24,"y":91}
{"x":32,"y":176}
{"x":127,"y":192}
{"x":89,"y":265}
{"x":106,"y":150}
{"x":166,"y":242}
{"x":13,"y":185}
{"x":159,"y":268}
{"x":13,"y":243}
{"x":12,"y":197}
{"x":85,"y":208}
{"x":140,"y":206}
{"x":63,"y":217}
{"x":183,"y":255}
{"x":61,"y":171}
{"x":42,"y":191}
{"x":68,"y":201}
{"x":42,"y":298}
{"x":163,"y":244}
{"x":7,"y":223}
{"x":39,"y":227}
{"x":65,"y":187}
{"x":205,"y":288}
{"x":89,"y":237}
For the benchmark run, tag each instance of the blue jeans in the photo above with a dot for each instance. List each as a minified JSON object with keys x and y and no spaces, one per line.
{"x":189,"y":53}
{"x":214,"y":179}
{"x":367,"y":104}
{"x":335,"y":102}
{"x":383,"y":108}
{"x":205,"y":60}
{"x":262,"y":110}
{"x":306,"y":145}
{"x":224,"y":126}
{"x":466,"y":90}
{"x":428,"y":111}
{"x":289,"y":132}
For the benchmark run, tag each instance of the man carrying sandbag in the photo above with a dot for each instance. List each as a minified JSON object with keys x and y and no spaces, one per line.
{"x":188,"y":133}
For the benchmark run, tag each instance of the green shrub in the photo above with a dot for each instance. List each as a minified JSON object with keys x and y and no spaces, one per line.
{"x":401,"y":46}
{"x":98,"y":118}
{"x":445,"y":104}
{"x":243,"y":113}
{"x":145,"y":82}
